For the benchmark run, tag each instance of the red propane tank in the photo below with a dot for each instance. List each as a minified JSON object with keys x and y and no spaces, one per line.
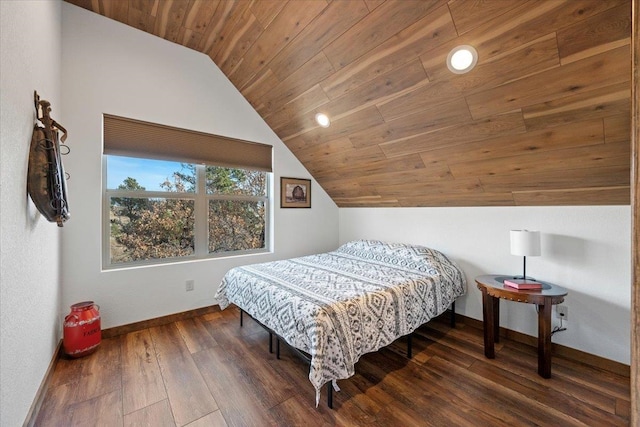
{"x":82,"y":333}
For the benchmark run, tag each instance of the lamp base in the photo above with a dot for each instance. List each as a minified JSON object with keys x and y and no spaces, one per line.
{"x":523,"y":278}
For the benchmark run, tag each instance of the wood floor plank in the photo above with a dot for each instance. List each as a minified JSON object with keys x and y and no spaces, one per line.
{"x":512,"y":403}
{"x":523,"y":363}
{"x":156,"y":415}
{"x":195,"y":335}
{"x":104,"y":410}
{"x":142,"y":382}
{"x":433,"y":397}
{"x":101,"y":371}
{"x":297,"y":412}
{"x":438,"y":385}
{"x":66,"y":371}
{"x":216,"y":315}
{"x":237,"y":382}
{"x":454,"y":355}
{"x":55,"y":405}
{"x":214,"y":419}
{"x":167,"y":339}
{"x":296,"y":372}
{"x":598,"y":379}
{"x":397,"y":414}
{"x":345,"y":410}
{"x":546,"y":395}
{"x":261,"y":378}
{"x":239,"y":404}
{"x":420,"y":399}
{"x":426,"y":337}
{"x":366,"y":395}
{"x":252,"y":370}
{"x":189,"y":396}
{"x":442,"y":401}
{"x":234,"y":338}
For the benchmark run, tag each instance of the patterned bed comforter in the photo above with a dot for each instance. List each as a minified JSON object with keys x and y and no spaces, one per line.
{"x":339,"y":305}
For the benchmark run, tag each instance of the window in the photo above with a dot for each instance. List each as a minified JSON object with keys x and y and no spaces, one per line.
{"x":160,"y":210}
{"x":166,"y":207}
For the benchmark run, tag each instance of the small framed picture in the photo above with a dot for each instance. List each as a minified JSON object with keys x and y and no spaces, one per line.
{"x":295,"y":193}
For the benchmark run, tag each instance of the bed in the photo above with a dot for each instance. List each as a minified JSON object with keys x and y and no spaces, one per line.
{"x":337,"y":306}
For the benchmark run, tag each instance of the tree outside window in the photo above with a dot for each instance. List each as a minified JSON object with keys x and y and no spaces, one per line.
{"x":146,"y":226}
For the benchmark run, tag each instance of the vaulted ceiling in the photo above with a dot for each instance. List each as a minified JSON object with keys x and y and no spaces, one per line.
{"x":543,"y":119}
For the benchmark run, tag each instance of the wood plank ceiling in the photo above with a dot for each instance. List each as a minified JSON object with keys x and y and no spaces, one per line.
{"x":543,"y":119}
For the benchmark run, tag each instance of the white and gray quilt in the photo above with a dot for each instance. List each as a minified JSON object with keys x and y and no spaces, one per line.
{"x":339,"y":305}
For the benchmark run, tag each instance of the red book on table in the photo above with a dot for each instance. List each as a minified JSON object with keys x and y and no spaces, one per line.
{"x":523,"y":284}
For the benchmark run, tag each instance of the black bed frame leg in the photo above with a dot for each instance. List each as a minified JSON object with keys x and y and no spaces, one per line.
{"x":241,"y":317}
{"x":453,"y":314}
{"x":330,"y":395}
{"x":270,"y":342}
{"x":277,"y":348}
{"x":409,"y":346}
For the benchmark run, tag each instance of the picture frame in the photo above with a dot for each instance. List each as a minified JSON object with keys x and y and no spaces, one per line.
{"x":295,"y":193}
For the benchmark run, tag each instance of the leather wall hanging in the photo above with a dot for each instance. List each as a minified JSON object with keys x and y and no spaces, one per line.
{"x":46,"y":179}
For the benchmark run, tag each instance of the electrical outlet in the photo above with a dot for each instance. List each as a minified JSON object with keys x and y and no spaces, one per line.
{"x":562,"y":312}
{"x":189,"y":285}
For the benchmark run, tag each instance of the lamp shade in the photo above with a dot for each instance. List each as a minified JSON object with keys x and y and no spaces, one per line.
{"x":525,"y":243}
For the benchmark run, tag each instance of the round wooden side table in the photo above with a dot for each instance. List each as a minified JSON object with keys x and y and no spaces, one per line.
{"x":493,"y":289}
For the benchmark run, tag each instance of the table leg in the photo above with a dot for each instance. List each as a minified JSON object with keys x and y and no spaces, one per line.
{"x":544,"y":339}
{"x":496,"y":319}
{"x":491,"y":317}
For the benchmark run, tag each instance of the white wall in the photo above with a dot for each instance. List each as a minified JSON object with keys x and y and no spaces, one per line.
{"x":30,"y":50}
{"x":112,"y":68}
{"x":586,"y":249}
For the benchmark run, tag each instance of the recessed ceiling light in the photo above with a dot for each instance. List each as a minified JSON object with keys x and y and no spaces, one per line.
{"x":323,"y":120}
{"x":462,"y":59}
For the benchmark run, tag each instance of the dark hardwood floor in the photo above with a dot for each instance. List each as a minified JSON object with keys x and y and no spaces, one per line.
{"x":208,"y":371}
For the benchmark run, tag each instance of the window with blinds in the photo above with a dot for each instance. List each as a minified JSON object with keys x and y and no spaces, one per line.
{"x":174,"y":194}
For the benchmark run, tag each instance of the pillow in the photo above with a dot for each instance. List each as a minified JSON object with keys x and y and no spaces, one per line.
{"x":415,"y":257}
{"x":420,"y":259}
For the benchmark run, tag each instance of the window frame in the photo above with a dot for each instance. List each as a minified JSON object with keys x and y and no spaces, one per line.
{"x":201,"y":221}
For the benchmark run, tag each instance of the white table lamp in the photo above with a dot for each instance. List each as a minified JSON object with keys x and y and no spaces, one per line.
{"x":525,"y":243}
